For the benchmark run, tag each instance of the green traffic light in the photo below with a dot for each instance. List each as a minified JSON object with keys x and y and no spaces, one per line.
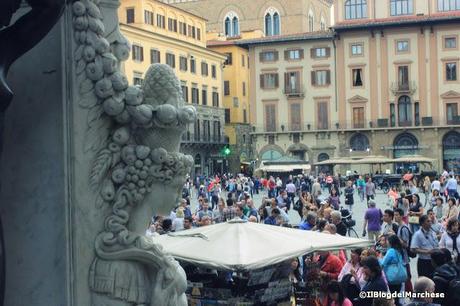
{"x":227,"y":151}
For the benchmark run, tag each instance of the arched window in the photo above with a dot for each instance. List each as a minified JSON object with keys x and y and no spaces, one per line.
{"x":359,"y":142}
{"x":322,"y":24}
{"x":231,"y":24}
{"x":276,"y":24}
{"x":401,"y":7}
{"x":451,"y":151}
{"x":448,"y":5}
{"x":355,"y":9}
{"x":228,"y":29}
{"x":271,"y":155}
{"x":324,"y":168}
{"x":272,"y":22}
{"x":235,"y":26}
{"x":404,"y":111}
{"x":322,"y":157}
{"x":311,"y":21}
{"x":405,"y":144}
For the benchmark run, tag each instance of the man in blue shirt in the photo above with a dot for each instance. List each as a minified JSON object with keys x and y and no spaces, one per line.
{"x":423,"y":243}
{"x":309,"y":222}
{"x":272,"y":220}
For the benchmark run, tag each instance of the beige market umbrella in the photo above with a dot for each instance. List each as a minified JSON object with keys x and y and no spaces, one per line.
{"x":239,"y":245}
{"x":414,"y":159}
{"x":334,"y":161}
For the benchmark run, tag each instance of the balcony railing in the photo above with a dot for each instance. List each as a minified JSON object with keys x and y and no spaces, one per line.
{"x":191,"y":138}
{"x":398,"y":88}
{"x":298,"y":91}
{"x":381,"y":123}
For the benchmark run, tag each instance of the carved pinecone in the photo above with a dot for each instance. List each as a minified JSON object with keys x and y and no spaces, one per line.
{"x":161,"y":86}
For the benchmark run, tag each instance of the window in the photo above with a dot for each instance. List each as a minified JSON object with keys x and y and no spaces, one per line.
{"x":358,"y":117}
{"x":130,"y":15}
{"x":322,"y":24}
{"x":320,"y":52}
{"x":192,"y":65}
{"x":451,"y":113}
{"x":227,"y":115}
{"x":404,"y":111}
{"x":292,"y":82}
{"x":296,"y":121}
{"x":320,"y":77}
{"x":216,"y":131}
{"x":215,"y":98}
{"x":451,"y":71}
{"x":242,"y":60}
{"x":204,"y":69}
{"x":322,"y":116}
{"x":154,"y":56}
{"x":137,"y":78}
{"x":204,"y":96}
{"x":355,"y":9}
{"x":213,"y":71}
{"x":269,"y":80}
{"x":417,"y":113}
{"x":231,"y":25}
{"x":138,"y":53}
{"x":229,"y":59}
{"x":359,"y":142}
{"x":184,"y":91}
{"x":357,"y":49}
{"x":183,"y":63}
{"x":245,"y":116}
{"x":402,"y":46}
{"x":161,"y":21}
{"x":272,"y":22}
{"x":226,"y":88}
{"x":182,"y":28}
{"x":450,"y":42}
{"x":236,"y":103}
{"x":148,"y":17}
{"x":311,"y":21}
{"x":403,"y":77}
{"x":197,"y":130}
{"x":357,"y":77}
{"x":448,"y":5}
{"x":271,"y":140}
{"x":270,"y":118}
{"x":171,"y":60}
{"x":206,"y":130}
{"x":392,"y":115}
{"x":172,"y":25}
{"x":296,"y":54}
{"x":268,"y":56}
{"x":243,"y":86}
{"x":198,"y":33}
{"x":401,"y":7}
{"x":192,"y":32}
{"x":195,"y":94}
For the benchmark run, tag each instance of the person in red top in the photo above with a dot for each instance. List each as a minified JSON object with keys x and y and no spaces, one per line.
{"x":331,"y":265}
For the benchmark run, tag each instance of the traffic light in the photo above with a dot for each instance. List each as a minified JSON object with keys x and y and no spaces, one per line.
{"x":226,"y":151}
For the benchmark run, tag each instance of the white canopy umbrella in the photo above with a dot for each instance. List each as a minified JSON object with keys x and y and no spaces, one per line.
{"x":238,"y":245}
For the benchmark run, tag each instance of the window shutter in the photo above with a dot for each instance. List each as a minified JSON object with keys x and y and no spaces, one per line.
{"x":313,"y":78}
{"x":301,"y":53}
{"x":297,"y":80}
{"x":261,"y":57}
{"x":286,"y":54}
{"x":312,"y":53}
{"x":262,"y":81}
{"x":142,"y":53}
{"x":286,"y":81}
{"x":328,"y":52}
{"x":276,"y":55}
{"x":328,"y":77}
{"x":276,"y":81}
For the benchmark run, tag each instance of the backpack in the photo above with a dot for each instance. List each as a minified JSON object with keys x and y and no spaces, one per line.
{"x":409,"y":252}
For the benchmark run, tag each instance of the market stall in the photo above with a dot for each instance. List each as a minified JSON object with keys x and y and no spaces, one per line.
{"x":255,"y":251}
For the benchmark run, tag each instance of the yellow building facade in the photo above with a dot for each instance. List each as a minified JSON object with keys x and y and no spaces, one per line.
{"x":160,"y":33}
{"x":236,"y":101}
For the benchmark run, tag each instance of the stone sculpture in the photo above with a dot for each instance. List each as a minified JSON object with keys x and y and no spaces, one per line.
{"x":135,"y":134}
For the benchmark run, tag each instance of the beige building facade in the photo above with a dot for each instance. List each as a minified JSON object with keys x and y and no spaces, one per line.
{"x":394,"y":86}
{"x":273,"y":17}
{"x":160,"y":33}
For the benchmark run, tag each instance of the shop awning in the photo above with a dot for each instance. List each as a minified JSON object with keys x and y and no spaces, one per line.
{"x":372,"y":160}
{"x":239,"y":245}
{"x":334,"y":161}
{"x":414,"y":159}
{"x":284,"y":168}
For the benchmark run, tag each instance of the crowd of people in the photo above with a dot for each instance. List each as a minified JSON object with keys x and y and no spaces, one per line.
{"x":405,"y":229}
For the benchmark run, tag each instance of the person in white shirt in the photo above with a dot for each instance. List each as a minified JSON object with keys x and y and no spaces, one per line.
{"x":436,"y":185}
{"x":178,"y":222}
{"x":450,"y":239}
{"x":451,"y":186}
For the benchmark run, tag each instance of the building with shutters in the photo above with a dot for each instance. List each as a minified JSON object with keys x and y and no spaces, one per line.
{"x":160,"y":33}
{"x":384,"y":82}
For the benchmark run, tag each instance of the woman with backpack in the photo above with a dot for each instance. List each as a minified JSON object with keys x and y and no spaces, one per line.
{"x":394,"y":267}
{"x":450,"y":239}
